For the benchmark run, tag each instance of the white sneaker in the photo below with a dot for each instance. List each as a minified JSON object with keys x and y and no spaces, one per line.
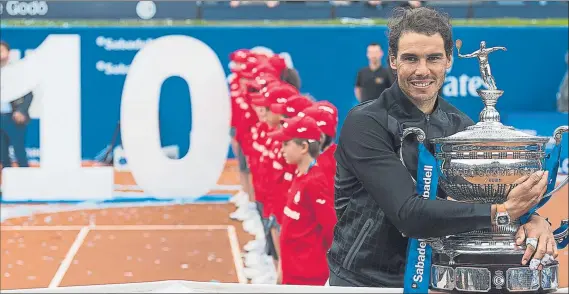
{"x":268,"y":279}
{"x":237,"y":197}
{"x":259,"y":233}
{"x":253,"y":259}
{"x":253,"y":272}
{"x":253,"y":225}
{"x":243,"y":213}
{"x":257,"y":245}
{"x":249,"y":225}
{"x":243,"y":201}
{"x":247,"y":205}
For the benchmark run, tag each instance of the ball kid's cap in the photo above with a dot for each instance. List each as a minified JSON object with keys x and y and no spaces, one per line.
{"x":297,"y":128}
{"x":292,"y":106}
{"x":276,"y":95}
{"x":325,"y":119}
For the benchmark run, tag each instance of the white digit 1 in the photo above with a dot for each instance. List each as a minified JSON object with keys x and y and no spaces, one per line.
{"x":54,"y":69}
{"x":198,"y":171}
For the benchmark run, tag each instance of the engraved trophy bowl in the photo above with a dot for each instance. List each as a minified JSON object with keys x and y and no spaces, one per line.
{"x":481,"y":165}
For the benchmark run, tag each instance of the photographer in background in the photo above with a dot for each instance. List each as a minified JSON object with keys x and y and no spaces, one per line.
{"x":14,"y":120}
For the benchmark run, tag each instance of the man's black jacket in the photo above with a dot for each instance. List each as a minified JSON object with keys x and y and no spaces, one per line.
{"x":375,"y":196}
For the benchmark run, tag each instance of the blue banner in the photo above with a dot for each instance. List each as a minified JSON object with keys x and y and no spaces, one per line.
{"x":106,"y":54}
{"x":419,"y":253}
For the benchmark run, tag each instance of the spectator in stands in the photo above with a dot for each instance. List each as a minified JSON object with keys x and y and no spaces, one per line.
{"x":411,"y":4}
{"x":406,"y":4}
{"x":309,"y":215}
{"x":562,"y":99}
{"x":373,"y":79}
{"x":376,"y":3}
{"x":237,"y":3}
{"x":14,"y":120}
{"x":340,"y":2}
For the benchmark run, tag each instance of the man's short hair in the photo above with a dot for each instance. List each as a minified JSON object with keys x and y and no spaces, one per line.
{"x":5,"y":44}
{"x":374,"y":44}
{"x":422,"y":20}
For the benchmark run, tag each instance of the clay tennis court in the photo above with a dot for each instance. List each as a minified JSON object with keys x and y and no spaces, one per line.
{"x":143,"y":243}
{"x":130,"y":243}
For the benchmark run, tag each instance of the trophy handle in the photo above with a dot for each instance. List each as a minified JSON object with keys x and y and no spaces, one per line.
{"x":558,"y":133}
{"x":420,"y":137}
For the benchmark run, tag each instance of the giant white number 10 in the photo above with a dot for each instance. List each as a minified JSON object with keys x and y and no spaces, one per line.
{"x":54,"y":69}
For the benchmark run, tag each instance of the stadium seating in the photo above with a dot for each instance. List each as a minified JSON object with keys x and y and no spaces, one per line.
{"x":288,"y":11}
{"x":285,"y":10}
{"x":360,"y":9}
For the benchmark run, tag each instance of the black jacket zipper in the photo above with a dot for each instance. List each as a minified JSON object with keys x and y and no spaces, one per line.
{"x":428,"y":118}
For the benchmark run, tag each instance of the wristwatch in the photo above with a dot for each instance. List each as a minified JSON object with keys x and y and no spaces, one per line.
{"x":502,"y":217}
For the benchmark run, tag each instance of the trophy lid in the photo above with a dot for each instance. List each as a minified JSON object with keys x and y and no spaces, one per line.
{"x":491,"y":132}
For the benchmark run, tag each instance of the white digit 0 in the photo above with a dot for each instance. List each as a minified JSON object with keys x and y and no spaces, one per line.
{"x":198,"y":171}
{"x":54,"y":69}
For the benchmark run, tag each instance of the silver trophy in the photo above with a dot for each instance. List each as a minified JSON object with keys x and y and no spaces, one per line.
{"x":481,"y":164}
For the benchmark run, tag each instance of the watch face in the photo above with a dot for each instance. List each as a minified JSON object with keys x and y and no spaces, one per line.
{"x":503,"y":220}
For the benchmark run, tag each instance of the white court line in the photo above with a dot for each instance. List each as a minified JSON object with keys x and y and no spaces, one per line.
{"x":136,"y":188}
{"x":234,"y":242}
{"x":116,"y":228}
{"x":69,"y":258}
{"x":227,"y":187}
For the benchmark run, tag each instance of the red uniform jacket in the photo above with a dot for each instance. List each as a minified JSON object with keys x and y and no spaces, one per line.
{"x":263,"y":166}
{"x":255,"y":143}
{"x":328,"y":163}
{"x":282,"y":175}
{"x":307,"y":229}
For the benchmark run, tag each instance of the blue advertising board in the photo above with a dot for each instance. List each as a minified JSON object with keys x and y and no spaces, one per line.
{"x":327,"y":59}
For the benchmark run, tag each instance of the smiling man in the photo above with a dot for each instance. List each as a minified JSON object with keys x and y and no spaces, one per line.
{"x":375,"y":197}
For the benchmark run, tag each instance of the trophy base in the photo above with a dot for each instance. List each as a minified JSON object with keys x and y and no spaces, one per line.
{"x":478,"y":244}
{"x":491,"y":274}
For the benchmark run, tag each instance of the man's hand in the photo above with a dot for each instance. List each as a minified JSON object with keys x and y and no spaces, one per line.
{"x":546,"y":251}
{"x":19,"y":117}
{"x":526,"y":194}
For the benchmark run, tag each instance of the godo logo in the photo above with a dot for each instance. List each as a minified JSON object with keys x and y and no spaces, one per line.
{"x":26,"y":8}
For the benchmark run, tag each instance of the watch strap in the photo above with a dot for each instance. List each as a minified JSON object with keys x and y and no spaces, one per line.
{"x":501,"y":208}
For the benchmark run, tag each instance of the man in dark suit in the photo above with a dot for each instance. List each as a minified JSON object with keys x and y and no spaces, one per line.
{"x":14,"y":118}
